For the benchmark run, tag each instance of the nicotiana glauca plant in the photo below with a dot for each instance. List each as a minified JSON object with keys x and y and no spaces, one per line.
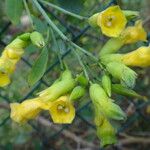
{"x":116,"y":75}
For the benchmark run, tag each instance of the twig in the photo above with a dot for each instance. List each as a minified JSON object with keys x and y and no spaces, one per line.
{"x":66,"y":133}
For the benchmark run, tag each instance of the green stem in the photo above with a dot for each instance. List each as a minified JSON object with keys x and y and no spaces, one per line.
{"x":84,"y":51}
{"x":28,"y":12}
{"x":49,"y":21}
{"x":55,"y":28}
{"x":81,"y":63}
{"x":57,"y":47}
{"x":63,"y":10}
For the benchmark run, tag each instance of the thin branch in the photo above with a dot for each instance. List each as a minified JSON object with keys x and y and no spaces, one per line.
{"x":63,"y":10}
{"x":66,"y":133}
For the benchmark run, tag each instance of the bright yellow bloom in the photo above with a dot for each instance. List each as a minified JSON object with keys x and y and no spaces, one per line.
{"x":112,"y":21}
{"x":134,"y":33}
{"x":27,"y":110}
{"x":139,"y":57}
{"x":62,"y":110}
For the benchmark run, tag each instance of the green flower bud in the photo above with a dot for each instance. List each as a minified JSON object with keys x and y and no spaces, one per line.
{"x":106,"y":133}
{"x":66,"y":75}
{"x":93,"y":20}
{"x":131,"y":14}
{"x":37,"y":39}
{"x":106,"y":83}
{"x":77,"y":93}
{"x":82,"y":80}
{"x":112,"y":46}
{"x":119,"y":89}
{"x":104,"y":104}
{"x":120,"y":71}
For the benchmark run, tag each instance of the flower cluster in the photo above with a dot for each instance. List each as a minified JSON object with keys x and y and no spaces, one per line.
{"x":112,"y":23}
{"x":14,"y":51}
{"x":116,"y":75}
{"x":58,"y":99}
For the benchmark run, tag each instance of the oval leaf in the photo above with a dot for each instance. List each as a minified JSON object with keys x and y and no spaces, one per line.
{"x":38,"y":68}
{"x":14,"y":10}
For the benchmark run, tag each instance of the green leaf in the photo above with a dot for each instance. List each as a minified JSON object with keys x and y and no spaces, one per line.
{"x":14,"y":10}
{"x":38,"y":68}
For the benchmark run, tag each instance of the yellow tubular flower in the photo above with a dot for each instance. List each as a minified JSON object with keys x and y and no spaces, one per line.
{"x":112,"y":21}
{"x":62,"y":110}
{"x":134,"y":33}
{"x":139,"y":57}
{"x":26,"y":110}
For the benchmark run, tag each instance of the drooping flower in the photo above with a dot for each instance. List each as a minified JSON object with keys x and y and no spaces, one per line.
{"x":27,"y":110}
{"x":106,"y":132}
{"x":13,"y":53}
{"x":62,"y":110}
{"x":105,"y":104}
{"x":139,"y":57}
{"x":134,"y":33}
{"x":112,"y":21}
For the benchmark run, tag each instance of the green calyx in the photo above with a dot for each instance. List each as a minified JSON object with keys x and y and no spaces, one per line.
{"x":37,"y":39}
{"x":112,"y":46}
{"x":64,"y":85}
{"x":77,"y":93}
{"x":106,"y":83}
{"x":123,"y":73}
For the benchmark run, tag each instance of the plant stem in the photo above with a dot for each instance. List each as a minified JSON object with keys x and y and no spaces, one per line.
{"x":28,"y":12}
{"x":55,"y":28}
{"x":63,"y":10}
{"x":81,"y":63}
{"x":84,"y":51}
{"x":49,"y":21}
{"x":57,"y":47}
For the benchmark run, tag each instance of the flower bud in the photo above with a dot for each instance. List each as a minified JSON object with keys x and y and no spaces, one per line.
{"x":106,"y":83}
{"x":123,"y":73}
{"x":93,"y":20}
{"x":37,"y":39}
{"x":131,"y":14}
{"x":82,"y":80}
{"x":77,"y":93}
{"x":119,"y":89}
